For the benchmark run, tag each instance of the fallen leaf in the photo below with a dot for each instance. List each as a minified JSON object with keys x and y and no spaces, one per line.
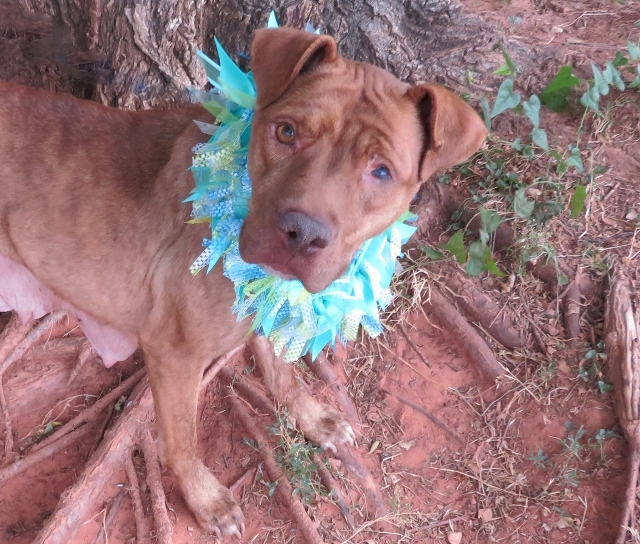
{"x":454,"y":538}
{"x":631,"y":215}
{"x":557,"y":29}
{"x":485,"y":515}
{"x":374,"y":446}
{"x":407,"y":445}
{"x":564,"y":368}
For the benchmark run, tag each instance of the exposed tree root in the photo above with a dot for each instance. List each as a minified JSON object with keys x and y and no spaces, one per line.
{"x":536,"y":332}
{"x":284,"y":489}
{"x":480,"y":307}
{"x":622,"y":340}
{"x":349,"y":458}
{"x":86,"y":352}
{"x":77,"y":503}
{"x":43,"y":453}
{"x":325,"y":372}
{"x":334,"y":489}
{"x":164,"y":529}
{"x":571,"y":309}
{"x":103,"y":533}
{"x":142,"y":526}
{"x":473,"y":344}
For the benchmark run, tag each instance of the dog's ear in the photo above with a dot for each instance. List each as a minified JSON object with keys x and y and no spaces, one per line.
{"x":278,"y":55}
{"x":453,"y":131}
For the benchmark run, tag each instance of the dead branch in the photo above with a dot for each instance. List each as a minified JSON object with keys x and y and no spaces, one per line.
{"x":427,"y":414}
{"x":325,"y":372}
{"x":622,"y":340}
{"x":164,"y":529}
{"x":77,"y":503}
{"x":142,"y":526}
{"x":334,"y":490}
{"x":473,"y":344}
{"x":283,"y":489}
{"x":480,"y":307}
{"x":413,"y":345}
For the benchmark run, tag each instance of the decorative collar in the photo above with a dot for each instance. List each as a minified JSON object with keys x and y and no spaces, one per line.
{"x":295,"y":320}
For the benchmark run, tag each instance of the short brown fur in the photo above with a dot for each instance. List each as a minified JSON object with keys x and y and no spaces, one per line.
{"x":91,"y":207}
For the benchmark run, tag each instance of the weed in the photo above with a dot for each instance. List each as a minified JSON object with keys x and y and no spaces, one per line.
{"x":539,"y":460}
{"x":572,"y":440}
{"x":294,"y":454}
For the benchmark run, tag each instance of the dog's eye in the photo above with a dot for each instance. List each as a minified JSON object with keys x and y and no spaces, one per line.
{"x":382,"y":173}
{"x":286,"y":133}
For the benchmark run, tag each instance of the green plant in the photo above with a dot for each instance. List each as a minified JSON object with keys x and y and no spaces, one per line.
{"x":572,"y":439}
{"x":294,"y":454}
{"x":539,"y":460}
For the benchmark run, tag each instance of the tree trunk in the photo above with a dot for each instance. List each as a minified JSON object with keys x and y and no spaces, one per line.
{"x":136,"y":54}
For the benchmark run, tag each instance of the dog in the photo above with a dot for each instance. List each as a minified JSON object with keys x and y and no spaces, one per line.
{"x":92,"y":221}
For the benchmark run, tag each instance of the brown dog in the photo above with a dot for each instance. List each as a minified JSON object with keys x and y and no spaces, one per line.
{"x":92,"y":220}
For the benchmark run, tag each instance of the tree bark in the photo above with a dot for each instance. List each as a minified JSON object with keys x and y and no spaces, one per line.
{"x":136,"y":54}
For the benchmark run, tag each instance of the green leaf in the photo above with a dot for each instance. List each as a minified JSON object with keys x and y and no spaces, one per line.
{"x":532,"y":110}
{"x":506,"y":99}
{"x":561,"y":165}
{"x":490,"y":220}
{"x":599,"y":81}
{"x":612,"y":76}
{"x":620,"y":59}
{"x":591,"y":99}
{"x":575,"y":159}
{"x":539,"y":137}
{"x":509,"y":68}
{"x":486,"y":112}
{"x":555,"y":95}
{"x":577,"y":201}
{"x":492,"y":268}
{"x":522,"y":205}
{"x":636,"y":82}
{"x":432,"y":253}
{"x":634,"y":50}
{"x":477,"y":258}
{"x":455,"y":246}
{"x":604,"y":387}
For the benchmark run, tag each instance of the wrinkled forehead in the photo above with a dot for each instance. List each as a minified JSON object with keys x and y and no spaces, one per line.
{"x":350,"y":97}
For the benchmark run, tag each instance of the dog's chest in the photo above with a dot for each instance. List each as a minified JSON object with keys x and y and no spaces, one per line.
{"x":21,"y":291}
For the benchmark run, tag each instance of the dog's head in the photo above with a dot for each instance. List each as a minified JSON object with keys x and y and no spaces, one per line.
{"x":338,"y":149}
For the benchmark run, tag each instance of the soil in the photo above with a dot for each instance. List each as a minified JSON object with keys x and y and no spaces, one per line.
{"x":542,"y":458}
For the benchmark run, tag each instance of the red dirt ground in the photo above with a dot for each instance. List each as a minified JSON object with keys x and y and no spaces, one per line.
{"x":491,"y":489}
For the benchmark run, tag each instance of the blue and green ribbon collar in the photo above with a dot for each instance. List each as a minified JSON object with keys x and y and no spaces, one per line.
{"x":296,"y":321}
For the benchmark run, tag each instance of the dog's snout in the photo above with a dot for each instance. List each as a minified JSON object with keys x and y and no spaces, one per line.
{"x":304,"y":234}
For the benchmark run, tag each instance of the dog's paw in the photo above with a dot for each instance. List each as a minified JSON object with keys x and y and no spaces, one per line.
{"x":320,"y":423}
{"x":211,"y":503}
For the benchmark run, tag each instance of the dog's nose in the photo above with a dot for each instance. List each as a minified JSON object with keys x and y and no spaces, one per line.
{"x":303,"y":234}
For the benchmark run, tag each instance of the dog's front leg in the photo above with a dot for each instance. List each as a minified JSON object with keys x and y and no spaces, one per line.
{"x":175,"y":381}
{"x":319,"y":422}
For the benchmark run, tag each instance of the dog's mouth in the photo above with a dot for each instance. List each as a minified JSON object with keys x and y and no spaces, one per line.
{"x":282,"y":274}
